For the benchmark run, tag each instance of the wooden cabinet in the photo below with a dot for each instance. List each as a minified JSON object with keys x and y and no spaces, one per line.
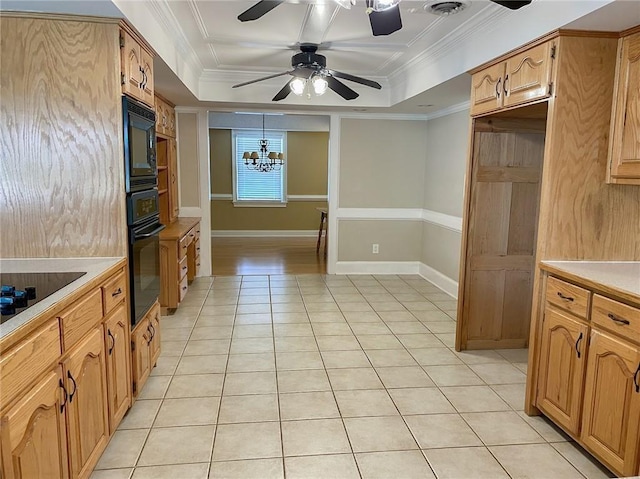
{"x":165,"y":117}
{"x":33,"y":433}
{"x":624,"y":138}
{"x":137,"y":68}
{"x":520,"y":78}
{"x":87,"y":411}
{"x":179,"y":259}
{"x":611,"y":418}
{"x":145,"y":347}
{"x":562,"y":364}
{"x":118,"y":357}
{"x":167,"y":156}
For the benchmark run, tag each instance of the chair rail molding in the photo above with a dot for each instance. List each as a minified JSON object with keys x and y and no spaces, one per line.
{"x":450,"y":222}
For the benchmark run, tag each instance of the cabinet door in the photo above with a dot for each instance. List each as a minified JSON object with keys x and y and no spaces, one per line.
{"x":528,"y":75}
{"x":158,"y":107}
{"x":87,"y":413}
{"x":146,"y":66}
{"x":140,"y":339}
{"x":34,"y":434}
{"x":131,"y":66}
{"x":116,"y":336}
{"x":624,"y":146}
{"x":562,"y":364}
{"x":173,"y":181}
{"x":487,"y":89}
{"x":171,"y":119}
{"x":154,"y":326}
{"x":611,"y":416}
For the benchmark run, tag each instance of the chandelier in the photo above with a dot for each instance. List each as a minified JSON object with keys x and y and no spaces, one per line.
{"x":266,"y":160}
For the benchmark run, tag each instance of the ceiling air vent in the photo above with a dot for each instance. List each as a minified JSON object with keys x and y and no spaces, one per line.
{"x":446,"y":7}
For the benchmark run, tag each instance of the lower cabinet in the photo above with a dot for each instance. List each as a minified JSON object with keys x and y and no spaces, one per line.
{"x":562,"y":366}
{"x":145,"y":347}
{"x":87,"y":416}
{"x":611,"y":417}
{"x":117,"y":345}
{"x":33,"y":433}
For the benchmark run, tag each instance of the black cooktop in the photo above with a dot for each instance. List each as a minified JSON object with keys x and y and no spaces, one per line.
{"x":18,"y":295}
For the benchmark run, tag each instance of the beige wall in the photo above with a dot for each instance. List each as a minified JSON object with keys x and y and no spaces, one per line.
{"x":398,"y":240}
{"x":447,"y":140}
{"x":441,"y":249}
{"x":306,"y":157}
{"x":188,"y":153}
{"x":382,"y":163}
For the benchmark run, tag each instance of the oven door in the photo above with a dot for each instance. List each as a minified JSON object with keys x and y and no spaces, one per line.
{"x":144,"y":265}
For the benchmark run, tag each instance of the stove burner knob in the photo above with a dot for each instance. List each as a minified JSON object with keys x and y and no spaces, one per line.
{"x":7,"y":306}
{"x":20,"y":299}
{"x":7,"y":291}
{"x":31,"y":292}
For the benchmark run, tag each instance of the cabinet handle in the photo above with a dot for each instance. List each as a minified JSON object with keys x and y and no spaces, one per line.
{"x":75,"y":386}
{"x":498,"y":87}
{"x":183,"y":268}
{"x":66,"y":395}
{"x":153,"y":331}
{"x":113,"y":341}
{"x":618,"y":320}
{"x":506,"y":79}
{"x":150,"y":335}
{"x":116,"y":292}
{"x":635,"y":379}
{"x":578,"y":345}
{"x":566,"y":298}
{"x":184,"y":288}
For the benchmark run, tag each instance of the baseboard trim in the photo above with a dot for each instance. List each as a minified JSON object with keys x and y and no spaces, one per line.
{"x":377,"y":267}
{"x":439,"y":280}
{"x":263,"y":233}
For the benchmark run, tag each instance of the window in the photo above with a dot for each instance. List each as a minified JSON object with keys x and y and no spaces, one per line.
{"x":253,"y":187}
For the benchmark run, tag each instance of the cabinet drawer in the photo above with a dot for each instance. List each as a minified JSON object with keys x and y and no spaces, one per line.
{"x":568,"y":296}
{"x":182,"y":247}
{"x":24,"y":363}
{"x":616,"y":317}
{"x":113,"y":292}
{"x":182,"y":268}
{"x":191,"y":236}
{"x":182,"y":288}
{"x":197,"y":230}
{"x":78,"y":320}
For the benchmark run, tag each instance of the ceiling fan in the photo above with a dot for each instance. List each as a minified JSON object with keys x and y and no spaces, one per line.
{"x":384,"y":15}
{"x":310,"y":69}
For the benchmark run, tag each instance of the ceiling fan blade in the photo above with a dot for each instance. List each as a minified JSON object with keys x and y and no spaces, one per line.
{"x":353,"y":78}
{"x":341,"y":89}
{"x":512,"y":4}
{"x":283,"y":93}
{"x":385,"y":22}
{"x":258,"y":10}
{"x":263,"y":78}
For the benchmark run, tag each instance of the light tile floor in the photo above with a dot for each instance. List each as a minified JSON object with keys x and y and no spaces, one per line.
{"x":315,"y":376}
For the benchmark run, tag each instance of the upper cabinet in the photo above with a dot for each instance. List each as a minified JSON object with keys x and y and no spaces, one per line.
{"x":137,"y":68}
{"x":520,"y":78}
{"x":624,"y":146}
{"x":165,"y":117}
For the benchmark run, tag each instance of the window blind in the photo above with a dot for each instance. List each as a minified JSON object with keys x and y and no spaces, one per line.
{"x":252,"y":185}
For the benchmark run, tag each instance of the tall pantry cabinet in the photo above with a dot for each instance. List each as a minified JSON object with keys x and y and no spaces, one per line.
{"x":536,"y":181}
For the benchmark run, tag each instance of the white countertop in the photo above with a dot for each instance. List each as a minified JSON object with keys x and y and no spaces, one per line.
{"x":93,"y":267}
{"x":621,"y":275}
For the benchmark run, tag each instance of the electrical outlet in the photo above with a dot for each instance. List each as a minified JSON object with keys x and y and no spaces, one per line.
{"x":376,"y":248}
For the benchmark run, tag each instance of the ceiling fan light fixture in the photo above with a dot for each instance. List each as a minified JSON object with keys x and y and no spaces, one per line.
{"x":320,"y":85}
{"x":446,"y":7}
{"x":297,"y":85}
{"x":382,"y":5}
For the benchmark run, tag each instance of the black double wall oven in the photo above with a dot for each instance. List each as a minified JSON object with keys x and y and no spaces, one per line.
{"x":143,"y":214}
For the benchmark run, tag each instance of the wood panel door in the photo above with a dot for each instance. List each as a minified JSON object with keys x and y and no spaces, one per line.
{"x":611,"y":415}
{"x":87,"y":414}
{"x":116,"y":336}
{"x":487,"y":89}
{"x":34,"y":433}
{"x":140,"y":352}
{"x":500,"y":239}
{"x":528,"y":75}
{"x":131,"y":61}
{"x":562,"y":364}
{"x":624,"y":146}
